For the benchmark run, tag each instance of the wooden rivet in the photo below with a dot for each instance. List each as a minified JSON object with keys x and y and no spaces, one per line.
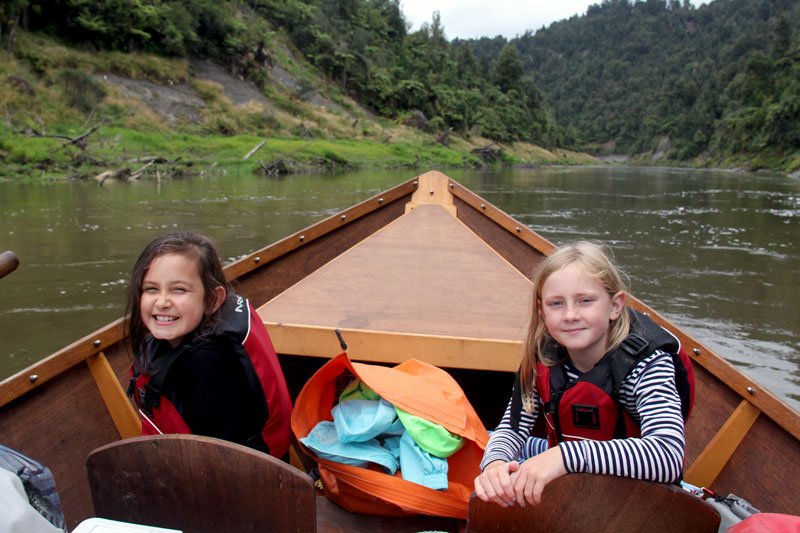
{"x":96,"y":343}
{"x":518,"y":229}
{"x":431,"y":192}
{"x":483,"y":206}
{"x":256,"y":259}
{"x":415,"y":183}
{"x":452,"y":185}
{"x":751,"y":390}
{"x":380,"y":200}
{"x":33,"y":377}
{"x":696,"y":351}
{"x":302,"y":238}
{"x":344,"y":217}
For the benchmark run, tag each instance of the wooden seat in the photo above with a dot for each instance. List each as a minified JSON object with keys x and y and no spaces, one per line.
{"x":195,"y":483}
{"x":590,"y":502}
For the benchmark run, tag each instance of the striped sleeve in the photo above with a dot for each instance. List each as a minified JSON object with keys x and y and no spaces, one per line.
{"x":506,"y":441}
{"x":650,"y":396}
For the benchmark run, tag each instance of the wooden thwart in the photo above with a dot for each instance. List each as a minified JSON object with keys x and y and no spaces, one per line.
{"x":718,"y":452}
{"x":119,"y":407}
{"x":386,"y":347}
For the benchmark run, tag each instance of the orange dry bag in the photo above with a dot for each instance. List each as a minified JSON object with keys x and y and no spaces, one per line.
{"x":419,"y":389}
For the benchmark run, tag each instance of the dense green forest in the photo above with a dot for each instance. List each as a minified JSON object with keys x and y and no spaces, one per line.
{"x":718,"y":84}
{"x":718,"y":81}
{"x":363,"y":46}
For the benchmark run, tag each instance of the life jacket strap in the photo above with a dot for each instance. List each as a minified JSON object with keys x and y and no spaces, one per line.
{"x":132,"y":385}
{"x":634,"y":345}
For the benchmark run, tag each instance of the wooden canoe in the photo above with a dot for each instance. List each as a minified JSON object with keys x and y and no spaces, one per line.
{"x":426,"y":269}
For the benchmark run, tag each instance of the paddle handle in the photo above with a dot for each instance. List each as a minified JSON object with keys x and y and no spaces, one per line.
{"x":8,"y":263}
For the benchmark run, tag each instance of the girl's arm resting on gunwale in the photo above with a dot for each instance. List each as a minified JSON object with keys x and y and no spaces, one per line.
{"x":658,"y":454}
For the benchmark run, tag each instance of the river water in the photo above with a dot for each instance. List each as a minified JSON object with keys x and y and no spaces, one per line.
{"x":716,"y":252}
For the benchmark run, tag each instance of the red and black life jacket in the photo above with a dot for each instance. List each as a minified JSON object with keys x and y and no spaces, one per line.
{"x":242,"y":325}
{"x":589,"y":408}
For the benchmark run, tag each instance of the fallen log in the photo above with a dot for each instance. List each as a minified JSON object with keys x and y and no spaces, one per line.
{"x":114,"y":175}
{"x":138,"y":174}
{"x":254,"y":150}
{"x":274,"y":167}
{"x":79,"y":141}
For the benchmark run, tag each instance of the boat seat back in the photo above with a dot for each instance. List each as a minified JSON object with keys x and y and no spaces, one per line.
{"x":195,"y":483}
{"x":591,"y":502}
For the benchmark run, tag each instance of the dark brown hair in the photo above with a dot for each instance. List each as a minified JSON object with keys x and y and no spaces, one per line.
{"x":209,"y":267}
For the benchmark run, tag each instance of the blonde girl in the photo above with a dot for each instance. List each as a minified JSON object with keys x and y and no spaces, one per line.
{"x":607,"y":380}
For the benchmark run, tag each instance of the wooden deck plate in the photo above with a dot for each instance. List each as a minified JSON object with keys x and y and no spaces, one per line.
{"x":424,"y":281}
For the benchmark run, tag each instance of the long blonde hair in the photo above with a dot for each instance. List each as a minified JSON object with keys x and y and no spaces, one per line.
{"x":597,"y":263}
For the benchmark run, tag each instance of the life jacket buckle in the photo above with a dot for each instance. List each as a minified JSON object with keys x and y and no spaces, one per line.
{"x":634,"y":345}
{"x":151,"y":398}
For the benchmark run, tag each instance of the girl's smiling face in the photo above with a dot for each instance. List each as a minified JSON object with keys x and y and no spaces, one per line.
{"x":172,"y":300}
{"x":577,"y":311}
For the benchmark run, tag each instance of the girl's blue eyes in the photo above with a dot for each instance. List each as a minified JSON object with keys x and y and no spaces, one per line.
{"x":559,"y":303}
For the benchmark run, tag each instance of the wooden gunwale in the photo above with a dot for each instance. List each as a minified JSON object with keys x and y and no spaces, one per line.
{"x":54,"y":365}
{"x":107,"y":340}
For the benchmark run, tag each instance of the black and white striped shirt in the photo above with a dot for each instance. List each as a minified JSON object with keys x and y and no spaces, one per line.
{"x":649,"y":396}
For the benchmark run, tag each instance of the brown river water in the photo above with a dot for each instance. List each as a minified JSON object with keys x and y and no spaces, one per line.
{"x":716,"y":252}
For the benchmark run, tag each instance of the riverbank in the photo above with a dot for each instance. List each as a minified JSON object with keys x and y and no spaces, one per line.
{"x":125,"y":154}
{"x":71,"y":114}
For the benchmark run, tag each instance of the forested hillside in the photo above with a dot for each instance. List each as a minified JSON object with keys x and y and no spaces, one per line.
{"x":660,"y":79}
{"x":721,"y":81}
{"x":362,"y":46}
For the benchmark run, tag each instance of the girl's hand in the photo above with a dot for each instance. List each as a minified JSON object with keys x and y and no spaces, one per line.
{"x":535,"y":473}
{"x":495,"y":483}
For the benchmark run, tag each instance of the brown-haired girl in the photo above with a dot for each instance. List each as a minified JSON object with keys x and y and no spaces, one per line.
{"x":203,"y":361}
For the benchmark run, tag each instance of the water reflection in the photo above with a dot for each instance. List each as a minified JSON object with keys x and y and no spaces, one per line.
{"x":714,"y":251}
